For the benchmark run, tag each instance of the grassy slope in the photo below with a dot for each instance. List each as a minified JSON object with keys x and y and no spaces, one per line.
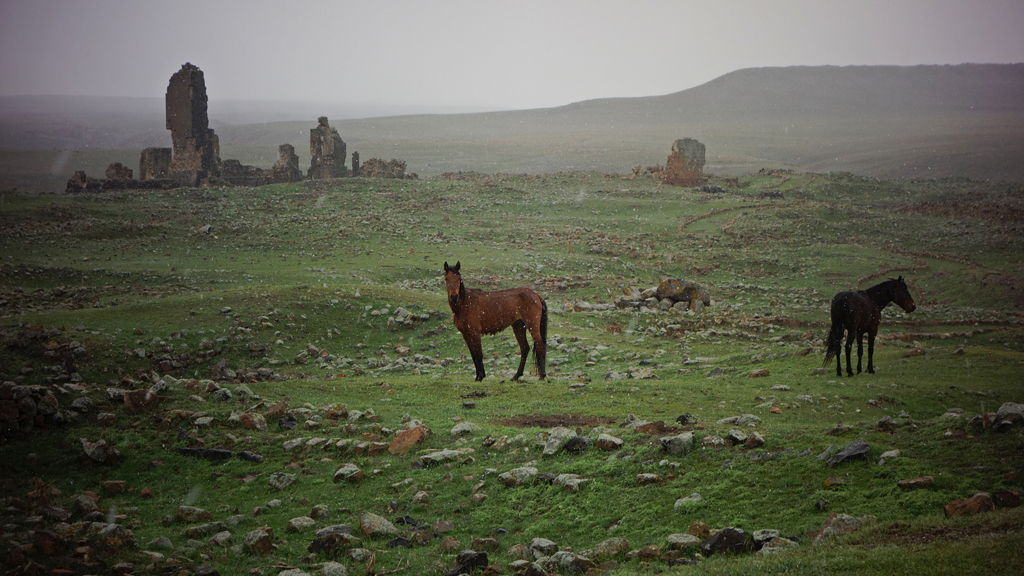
{"x":308,"y":264}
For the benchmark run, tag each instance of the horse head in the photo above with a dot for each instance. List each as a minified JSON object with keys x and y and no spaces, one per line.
{"x":901,"y":295}
{"x":453,"y":282}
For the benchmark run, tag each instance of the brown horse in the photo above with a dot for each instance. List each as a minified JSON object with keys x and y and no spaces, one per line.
{"x":860,"y":312}
{"x":476,"y":313}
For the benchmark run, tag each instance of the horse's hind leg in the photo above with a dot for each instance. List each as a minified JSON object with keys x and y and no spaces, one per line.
{"x":860,"y":352}
{"x":871,"y":352}
{"x":849,"y":348}
{"x":519,"y":328}
{"x":540,"y":350}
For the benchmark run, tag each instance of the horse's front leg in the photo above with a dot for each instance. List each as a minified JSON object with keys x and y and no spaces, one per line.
{"x":871,"y":352}
{"x":519,"y":328}
{"x":476,"y":351}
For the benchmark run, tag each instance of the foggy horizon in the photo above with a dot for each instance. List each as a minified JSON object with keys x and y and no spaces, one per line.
{"x":473,"y":55}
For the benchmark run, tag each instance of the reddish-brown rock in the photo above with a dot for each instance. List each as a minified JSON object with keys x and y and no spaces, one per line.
{"x":406,"y":439}
{"x":1007,"y":498}
{"x":980,"y":502}
{"x":141,"y":400}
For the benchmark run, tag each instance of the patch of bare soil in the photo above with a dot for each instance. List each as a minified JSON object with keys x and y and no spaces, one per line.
{"x":551,"y":421}
{"x":904,"y":535}
{"x":1007,"y":213}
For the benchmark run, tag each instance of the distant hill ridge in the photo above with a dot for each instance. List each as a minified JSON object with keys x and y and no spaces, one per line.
{"x":889,"y":121}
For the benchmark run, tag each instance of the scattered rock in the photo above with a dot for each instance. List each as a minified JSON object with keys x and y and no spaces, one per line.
{"x":349,"y":472}
{"x":677,"y":445}
{"x":835,"y":525}
{"x":727,"y":540}
{"x":260,"y":541}
{"x":888,"y":456}
{"x":683,"y":541}
{"x":980,"y":502}
{"x":300,"y":524}
{"x":608,"y":443}
{"x":373,"y":525}
{"x":281,"y":480}
{"x":694,"y":498}
{"x":518,"y":476}
{"x":853,"y":450}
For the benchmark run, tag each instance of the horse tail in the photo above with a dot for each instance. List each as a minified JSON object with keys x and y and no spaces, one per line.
{"x":543,"y":332}
{"x":834,"y":342}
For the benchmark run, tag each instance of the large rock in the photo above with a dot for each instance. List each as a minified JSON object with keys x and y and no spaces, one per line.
{"x":853,"y":450}
{"x":727,"y":540}
{"x":349,"y":472}
{"x":141,"y":400}
{"x":260,"y":541}
{"x":518,"y":476}
{"x":373,"y":525}
{"x":406,"y":439}
{"x":679,"y":444}
{"x":683,"y":290}
{"x":611,"y":548}
{"x":468,"y":562}
{"x":980,"y":502}
{"x":333,"y":538}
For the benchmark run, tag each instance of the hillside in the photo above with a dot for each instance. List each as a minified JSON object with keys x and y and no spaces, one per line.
{"x":269,"y":381}
{"x":881,"y":121}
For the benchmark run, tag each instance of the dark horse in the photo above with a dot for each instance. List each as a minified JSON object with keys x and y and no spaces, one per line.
{"x":477,"y":313}
{"x":860,"y":312}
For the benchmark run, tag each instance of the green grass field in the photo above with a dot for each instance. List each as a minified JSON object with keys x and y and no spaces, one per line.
{"x":304,"y":281}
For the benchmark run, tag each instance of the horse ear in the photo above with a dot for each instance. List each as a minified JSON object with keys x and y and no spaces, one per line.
{"x":458,"y":265}
{"x":445,"y":265}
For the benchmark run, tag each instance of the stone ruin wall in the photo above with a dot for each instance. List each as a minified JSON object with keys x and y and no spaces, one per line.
{"x":685,"y":165}
{"x":196,"y":147}
{"x":194,"y":158}
{"x":327,"y":152}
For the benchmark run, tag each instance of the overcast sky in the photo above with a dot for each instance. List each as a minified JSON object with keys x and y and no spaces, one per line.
{"x":508,"y":54}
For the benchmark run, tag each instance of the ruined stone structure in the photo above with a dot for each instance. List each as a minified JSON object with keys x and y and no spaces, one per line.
{"x":685,"y":166}
{"x":194,"y":158}
{"x":286,"y":169}
{"x":377,"y":168}
{"x":155,"y":163}
{"x":118,"y":171}
{"x":196,"y":148}
{"x":327,"y":150}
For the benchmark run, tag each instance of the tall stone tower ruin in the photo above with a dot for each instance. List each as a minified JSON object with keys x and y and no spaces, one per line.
{"x":685,"y":166}
{"x":327,"y":151}
{"x":196,"y":148}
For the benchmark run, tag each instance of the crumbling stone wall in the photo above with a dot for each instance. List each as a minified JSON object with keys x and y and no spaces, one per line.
{"x":377,"y":168}
{"x":155,"y":163}
{"x":685,"y":166}
{"x":118,"y":171}
{"x":327,"y":150}
{"x":196,"y":147}
{"x":286,"y":169}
